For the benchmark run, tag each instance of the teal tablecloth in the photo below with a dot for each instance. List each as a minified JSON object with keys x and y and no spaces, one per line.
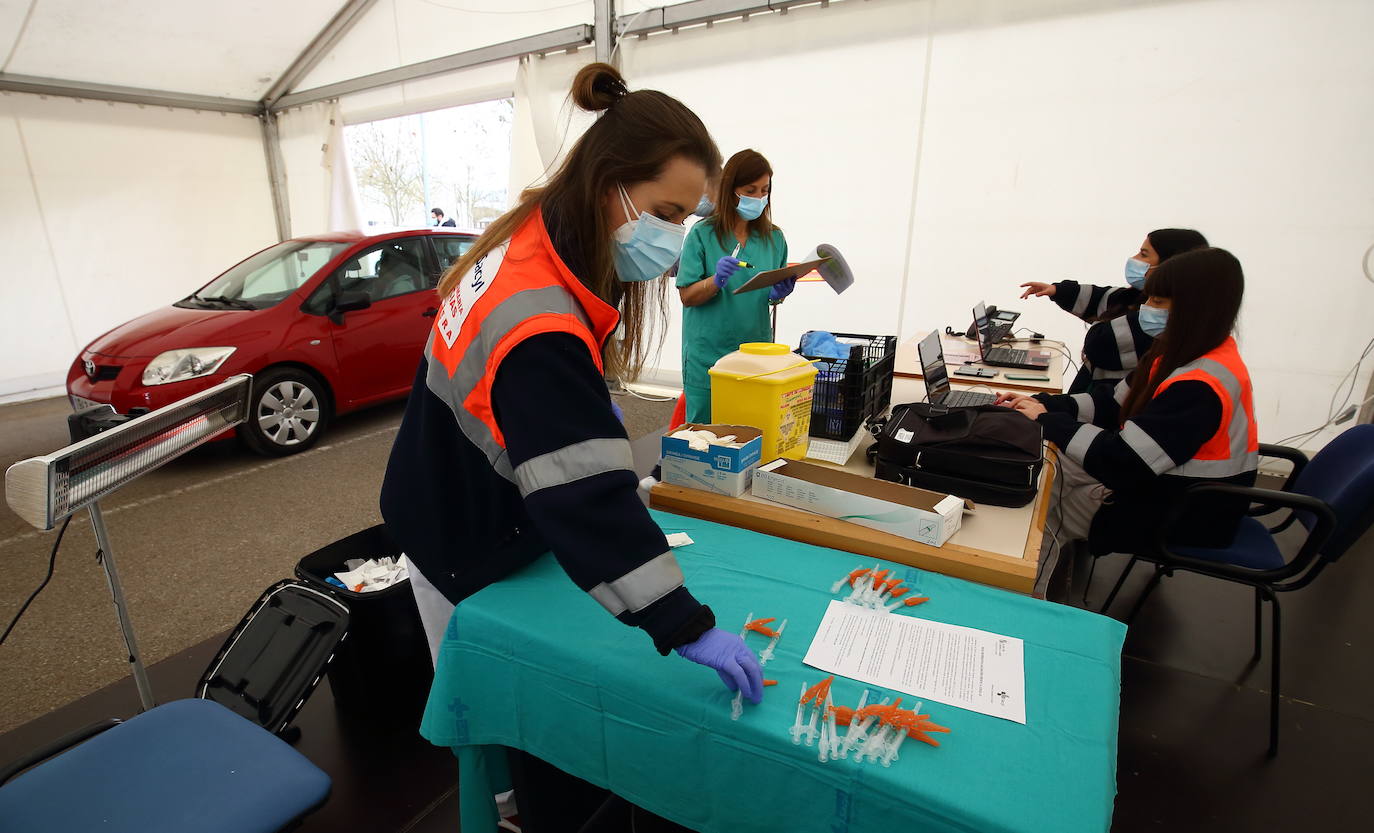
{"x":534,"y":663}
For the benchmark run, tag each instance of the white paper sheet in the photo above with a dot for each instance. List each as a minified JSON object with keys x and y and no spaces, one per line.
{"x":972,"y":669}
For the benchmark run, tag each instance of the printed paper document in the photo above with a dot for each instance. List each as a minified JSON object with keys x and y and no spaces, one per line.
{"x":972,"y":669}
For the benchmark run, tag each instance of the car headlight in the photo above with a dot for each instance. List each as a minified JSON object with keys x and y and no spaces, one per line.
{"x":180,"y":365}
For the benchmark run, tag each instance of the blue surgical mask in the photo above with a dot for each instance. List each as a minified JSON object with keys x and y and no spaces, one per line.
{"x":1135,"y":272}
{"x":646,"y":247}
{"x":751,"y":207}
{"x":705,"y":208}
{"x":1153,"y":320}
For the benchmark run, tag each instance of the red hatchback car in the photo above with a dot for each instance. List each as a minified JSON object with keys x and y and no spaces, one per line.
{"x":325,"y":324}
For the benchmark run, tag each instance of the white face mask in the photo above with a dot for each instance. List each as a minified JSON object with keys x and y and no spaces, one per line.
{"x":646,"y":247}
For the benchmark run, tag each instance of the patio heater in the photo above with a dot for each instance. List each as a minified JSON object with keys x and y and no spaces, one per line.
{"x":45,"y":490}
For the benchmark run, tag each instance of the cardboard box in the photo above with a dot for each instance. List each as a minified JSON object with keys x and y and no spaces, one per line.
{"x":920,"y":515}
{"x":725,"y":471}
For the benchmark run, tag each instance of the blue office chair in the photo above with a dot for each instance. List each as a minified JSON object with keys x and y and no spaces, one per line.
{"x":1332,"y":497}
{"x":185,"y":765}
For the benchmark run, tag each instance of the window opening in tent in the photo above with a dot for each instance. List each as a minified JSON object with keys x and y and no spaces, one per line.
{"x":456,"y":160}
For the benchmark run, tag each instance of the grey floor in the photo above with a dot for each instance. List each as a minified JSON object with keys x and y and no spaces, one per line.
{"x":196,"y":542}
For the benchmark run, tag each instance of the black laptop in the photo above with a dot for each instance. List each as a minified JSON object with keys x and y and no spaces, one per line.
{"x":936,"y":376}
{"x":1002,"y":356}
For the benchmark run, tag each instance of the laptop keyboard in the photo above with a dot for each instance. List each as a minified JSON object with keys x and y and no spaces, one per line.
{"x":1008,"y":354}
{"x":966,"y":399}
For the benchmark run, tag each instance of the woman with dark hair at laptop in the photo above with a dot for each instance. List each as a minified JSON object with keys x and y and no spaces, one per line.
{"x":1114,"y":343}
{"x":1183,"y":416}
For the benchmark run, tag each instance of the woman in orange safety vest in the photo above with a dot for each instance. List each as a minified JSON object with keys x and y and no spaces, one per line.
{"x":1183,"y":416}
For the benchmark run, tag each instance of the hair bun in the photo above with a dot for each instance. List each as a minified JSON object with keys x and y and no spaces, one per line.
{"x":598,"y":87}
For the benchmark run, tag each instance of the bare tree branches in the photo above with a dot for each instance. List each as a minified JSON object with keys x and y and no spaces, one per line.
{"x":386,"y":159}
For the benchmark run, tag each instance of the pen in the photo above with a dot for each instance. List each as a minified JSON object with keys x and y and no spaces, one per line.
{"x":735,"y":254}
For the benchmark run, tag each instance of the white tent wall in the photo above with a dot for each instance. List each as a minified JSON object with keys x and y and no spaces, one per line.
{"x":833,"y":98}
{"x":1055,"y":133}
{"x":319,"y":185}
{"x":110,"y":210}
{"x":546,"y":123}
{"x":1052,"y":144}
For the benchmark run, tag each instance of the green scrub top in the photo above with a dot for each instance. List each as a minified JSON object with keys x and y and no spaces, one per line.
{"x":719,"y":326}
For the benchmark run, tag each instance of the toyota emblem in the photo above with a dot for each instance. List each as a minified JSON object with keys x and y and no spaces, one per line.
{"x":90,"y":368}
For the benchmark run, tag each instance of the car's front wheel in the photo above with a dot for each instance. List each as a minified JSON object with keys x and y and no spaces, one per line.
{"x":288,"y":414}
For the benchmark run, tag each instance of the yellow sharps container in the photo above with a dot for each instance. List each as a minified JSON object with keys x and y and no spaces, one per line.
{"x":766,"y":386}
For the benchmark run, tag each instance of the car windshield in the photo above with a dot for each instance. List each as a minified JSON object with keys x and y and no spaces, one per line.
{"x":267,"y":277}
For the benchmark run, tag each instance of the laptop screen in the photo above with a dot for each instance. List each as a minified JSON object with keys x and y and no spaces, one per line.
{"x":933,"y":369}
{"x":984,"y":326}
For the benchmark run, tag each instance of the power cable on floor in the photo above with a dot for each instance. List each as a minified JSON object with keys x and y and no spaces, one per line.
{"x":52,"y":563}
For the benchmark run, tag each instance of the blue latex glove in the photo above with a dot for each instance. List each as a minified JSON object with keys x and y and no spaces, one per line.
{"x":734,"y":662}
{"x":818,"y":344}
{"x":725,"y":267}
{"x":781,"y":289}
{"x":619,"y":414}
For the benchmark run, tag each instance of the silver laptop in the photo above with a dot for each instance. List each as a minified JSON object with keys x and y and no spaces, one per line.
{"x":988,"y":333}
{"x":936,"y":375}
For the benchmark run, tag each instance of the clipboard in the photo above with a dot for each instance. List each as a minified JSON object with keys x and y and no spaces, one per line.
{"x":763,"y":280}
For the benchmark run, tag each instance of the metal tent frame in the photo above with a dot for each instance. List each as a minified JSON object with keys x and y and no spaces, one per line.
{"x":602,"y":33}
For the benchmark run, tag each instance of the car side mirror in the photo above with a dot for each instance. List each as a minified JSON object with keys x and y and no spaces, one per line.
{"x":349,"y":301}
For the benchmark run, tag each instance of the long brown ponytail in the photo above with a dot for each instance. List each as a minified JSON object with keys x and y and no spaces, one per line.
{"x":633,"y":139}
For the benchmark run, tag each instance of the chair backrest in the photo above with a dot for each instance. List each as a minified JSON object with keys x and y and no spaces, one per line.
{"x":1342,"y":474}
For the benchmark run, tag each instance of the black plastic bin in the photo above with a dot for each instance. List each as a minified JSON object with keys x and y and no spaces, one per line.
{"x":850,"y":392}
{"x":383,"y":666}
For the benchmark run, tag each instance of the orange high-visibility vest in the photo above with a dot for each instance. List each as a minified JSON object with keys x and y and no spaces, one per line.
{"x":1234,"y":448}
{"x":520,"y":289}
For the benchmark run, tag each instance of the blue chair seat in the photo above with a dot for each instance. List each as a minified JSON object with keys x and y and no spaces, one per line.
{"x":187,"y":765}
{"x":1253,"y":548}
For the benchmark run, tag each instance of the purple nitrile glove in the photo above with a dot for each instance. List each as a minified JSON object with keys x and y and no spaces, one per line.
{"x":781,"y":289}
{"x":734,"y":662}
{"x":725,"y":267}
{"x":619,"y":414}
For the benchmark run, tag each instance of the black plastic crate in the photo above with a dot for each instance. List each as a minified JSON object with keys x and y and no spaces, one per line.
{"x":852,"y":391}
{"x":384,"y":665}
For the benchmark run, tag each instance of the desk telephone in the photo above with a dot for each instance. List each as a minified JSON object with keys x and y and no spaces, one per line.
{"x":1001,"y":321}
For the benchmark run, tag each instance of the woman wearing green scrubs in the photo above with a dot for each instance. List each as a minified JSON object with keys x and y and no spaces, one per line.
{"x":735,"y":242}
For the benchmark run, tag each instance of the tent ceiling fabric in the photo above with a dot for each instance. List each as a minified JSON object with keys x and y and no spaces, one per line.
{"x":394,"y":33}
{"x":234,"y":50}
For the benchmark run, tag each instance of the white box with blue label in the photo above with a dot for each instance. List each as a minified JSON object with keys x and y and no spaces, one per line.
{"x":917,"y":514}
{"x":720,"y":468}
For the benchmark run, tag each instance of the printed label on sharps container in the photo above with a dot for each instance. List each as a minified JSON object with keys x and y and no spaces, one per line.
{"x":796,"y":409}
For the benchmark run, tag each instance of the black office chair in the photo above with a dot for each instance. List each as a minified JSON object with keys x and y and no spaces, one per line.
{"x":1332,"y":497}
